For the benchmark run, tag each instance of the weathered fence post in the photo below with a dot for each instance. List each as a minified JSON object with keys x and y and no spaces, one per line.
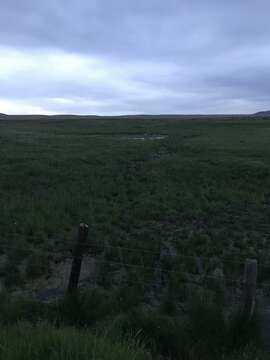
{"x":199,"y":265}
{"x":120,"y":255}
{"x":77,"y":258}
{"x":250,"y":282}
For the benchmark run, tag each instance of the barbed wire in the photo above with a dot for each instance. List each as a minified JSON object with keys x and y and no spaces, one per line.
{"x":65,"y":254}
{"x":29,"y":250}
{"x":222,"y":259}
{"x":156,"y":253}
{"x":71,"y":244}
{"x":168,"y":271}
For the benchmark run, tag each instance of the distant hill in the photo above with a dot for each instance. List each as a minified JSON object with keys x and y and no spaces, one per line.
{"x":1,"y":114}
{"x":263,"y":113}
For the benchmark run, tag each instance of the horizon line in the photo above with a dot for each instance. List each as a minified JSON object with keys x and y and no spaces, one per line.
{"x":136,"y":115}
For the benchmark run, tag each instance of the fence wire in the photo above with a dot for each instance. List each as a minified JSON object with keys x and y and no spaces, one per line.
{"x":62,"y":259}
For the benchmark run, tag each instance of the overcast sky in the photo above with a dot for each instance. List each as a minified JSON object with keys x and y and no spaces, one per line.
{"x":134,"y":56}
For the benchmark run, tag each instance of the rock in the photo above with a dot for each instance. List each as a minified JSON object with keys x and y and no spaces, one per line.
{"x":167,"y":251}
{"x":218,"y":273}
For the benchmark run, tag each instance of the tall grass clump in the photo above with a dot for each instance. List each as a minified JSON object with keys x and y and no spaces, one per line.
{"x":203,"y":332}
{"x":26,"y":342}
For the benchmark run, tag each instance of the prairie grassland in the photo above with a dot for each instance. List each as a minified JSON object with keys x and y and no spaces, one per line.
{"x":202,"y":183}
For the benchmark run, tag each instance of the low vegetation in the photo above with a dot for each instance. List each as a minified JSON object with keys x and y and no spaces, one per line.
{"x":205,"y":185}
{"x":198,"y":186}
{"x":24,"y":341}
{"x":29,"y":327}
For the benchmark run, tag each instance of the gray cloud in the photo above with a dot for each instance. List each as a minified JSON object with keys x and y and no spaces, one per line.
{"x":139,"y":56}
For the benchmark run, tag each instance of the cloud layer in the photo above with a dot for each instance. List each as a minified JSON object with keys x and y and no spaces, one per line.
{"x":122,"y":56}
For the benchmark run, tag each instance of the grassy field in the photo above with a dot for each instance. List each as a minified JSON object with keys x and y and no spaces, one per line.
{"x":25,"y":342}
{"x":202,"y":184}
{"x":199,"y":184}
{"x":205,"y":184}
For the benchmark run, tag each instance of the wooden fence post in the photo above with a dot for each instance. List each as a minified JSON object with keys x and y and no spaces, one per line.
{"x":199,"y":265}
{"x":250,"y":283}
{"x":77,"y":258}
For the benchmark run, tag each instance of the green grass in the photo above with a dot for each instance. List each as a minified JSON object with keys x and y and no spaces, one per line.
{"x":208,"y":180}
{"x":202,"y":333}
{"x":204,"y":187}
{"x":25,"y":342}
